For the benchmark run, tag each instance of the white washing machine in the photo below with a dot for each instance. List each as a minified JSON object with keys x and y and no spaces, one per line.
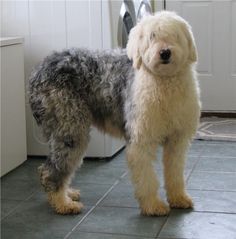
{"x":118,"y":17}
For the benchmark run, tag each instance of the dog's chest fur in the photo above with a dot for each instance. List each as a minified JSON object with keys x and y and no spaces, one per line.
{"x":164,"y":106}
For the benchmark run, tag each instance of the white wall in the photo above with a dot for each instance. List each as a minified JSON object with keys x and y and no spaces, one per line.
{"x":51,"y":25}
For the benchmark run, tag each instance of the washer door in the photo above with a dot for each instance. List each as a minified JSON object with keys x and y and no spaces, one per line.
{"x":144,"y":9}
{"x":127,"y":20}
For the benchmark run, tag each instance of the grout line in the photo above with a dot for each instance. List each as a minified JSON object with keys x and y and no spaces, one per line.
{"x":215,"y":171}
{"x":219,"y":190}
{"x":97,"y":203}
{"x":20,"y":203}
{"x":159,"y":232}
{"x":193,"y":155}
{"x":227,"y":213}
{"x":193,"y":168}
{"x":219,"y":157}
{"x":200,"y":156}
{"x":211,"y":142}
{"x":212,"y":190}
{"x":120,"y":206}
{"x":119,"y":234}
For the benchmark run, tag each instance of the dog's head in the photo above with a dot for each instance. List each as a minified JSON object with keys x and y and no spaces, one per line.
{"x":163,"y":43}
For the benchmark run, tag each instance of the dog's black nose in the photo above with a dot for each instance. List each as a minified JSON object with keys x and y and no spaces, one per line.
{"x":165,"y":54}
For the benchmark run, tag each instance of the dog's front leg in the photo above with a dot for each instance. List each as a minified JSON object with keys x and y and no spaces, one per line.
{"x":174,"y":161}
{"x":143,"y":176}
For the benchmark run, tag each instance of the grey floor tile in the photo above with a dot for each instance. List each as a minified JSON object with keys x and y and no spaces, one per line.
{"x":212,"y":185}
{"x":199,"y":225}
{"x":191,"y":161}
{"x":122,"y":195}
{"x":17,"y":190}
{"x":87,"y":235}
{"x":18,"y":233}
{"x":21,"y":182}
{"x":196,"y":148}
{"x":119,"y":160}
{"x":36,"y":161}
{"x":25,"y":172}
{"x":216,"y":164}
{"x":222,"y":149}
{"x":212,"y":181}
{"x":37,"y":219}
{"x":7,"y":206}
{"x":91,"y":193}
{"x":214,"y":201}
{"x":126,"y":221}
{"x":99,"y":173}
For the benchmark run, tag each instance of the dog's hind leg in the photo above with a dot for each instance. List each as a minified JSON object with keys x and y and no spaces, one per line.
{"x":68,"y":142}
{"x":56,"y":173}
{"x":143,"y":176}
{"x":174,"y":161}
{"x":74,"y":194}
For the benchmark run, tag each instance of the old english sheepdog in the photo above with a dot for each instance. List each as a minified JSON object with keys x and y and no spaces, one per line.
{"x":150,"y":98}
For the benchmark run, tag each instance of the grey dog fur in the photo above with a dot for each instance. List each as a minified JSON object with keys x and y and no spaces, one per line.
{"x":71,"y":90}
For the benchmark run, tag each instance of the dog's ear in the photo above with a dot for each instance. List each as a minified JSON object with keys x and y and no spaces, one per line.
{"x":191,"y":43}
{"x":133,"y":46}
{"x":192,"y":47}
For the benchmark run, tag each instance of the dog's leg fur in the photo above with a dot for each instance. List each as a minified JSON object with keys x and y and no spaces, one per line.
{"x":174,"y":161}
{"x":56,"y":174}
{"x":68,"y":142}
{"x":74,"y":194}
{"x":143,"y":176}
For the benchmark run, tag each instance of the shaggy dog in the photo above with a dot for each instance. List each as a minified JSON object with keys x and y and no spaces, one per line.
{"x":155,"y":102}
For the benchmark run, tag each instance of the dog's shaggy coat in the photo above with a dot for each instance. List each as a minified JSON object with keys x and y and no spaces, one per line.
{"x":155,"y":102}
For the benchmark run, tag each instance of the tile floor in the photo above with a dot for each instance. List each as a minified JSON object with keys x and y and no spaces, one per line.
{"x":111,"y":211}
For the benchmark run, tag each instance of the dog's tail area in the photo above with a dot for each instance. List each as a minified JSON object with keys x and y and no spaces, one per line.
{"x":54,"y":73}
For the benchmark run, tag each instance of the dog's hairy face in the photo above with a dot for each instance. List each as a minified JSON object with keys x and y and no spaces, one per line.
{"x":163,"y":43}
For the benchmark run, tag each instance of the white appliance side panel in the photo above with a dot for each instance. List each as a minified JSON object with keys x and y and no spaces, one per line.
{"x":37,"y":144}
{"x":112,"y":145}
{"x":13,"y":128}
{"x":110,"y":19}
{"x":96,"y":147}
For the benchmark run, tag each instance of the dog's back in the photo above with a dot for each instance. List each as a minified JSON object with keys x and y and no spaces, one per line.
{"x":98,"y":79}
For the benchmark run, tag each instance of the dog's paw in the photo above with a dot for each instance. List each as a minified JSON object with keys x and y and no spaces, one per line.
{"x":181,"y":201}
{"x":70,"y":207}
{"x":62,"y":203}
{"x":74,"y":194}
{"x":158,"y":208}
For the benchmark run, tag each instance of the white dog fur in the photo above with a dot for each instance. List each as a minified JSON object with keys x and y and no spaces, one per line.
{"x":167,"y":96}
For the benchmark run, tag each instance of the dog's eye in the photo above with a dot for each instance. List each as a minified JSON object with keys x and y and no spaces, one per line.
{"x":152,"y":35}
